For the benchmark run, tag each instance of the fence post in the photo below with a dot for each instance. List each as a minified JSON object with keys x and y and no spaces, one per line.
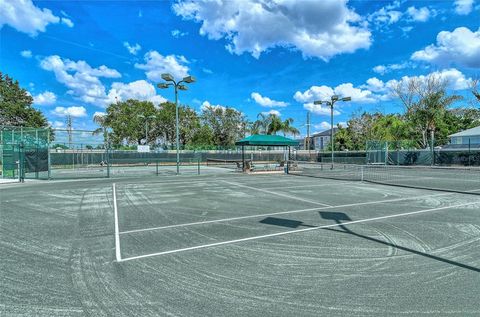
{"x":469,"y":152}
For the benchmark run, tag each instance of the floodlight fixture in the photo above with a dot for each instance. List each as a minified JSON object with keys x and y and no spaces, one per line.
{"x":163,"y":85}
{"x":317,"y":102}
{"x":334,"y":98}
{"x":346,"y":99}
{"x":189,"y":79}
{"x":167,"y":77}
{"x":182,"y":87}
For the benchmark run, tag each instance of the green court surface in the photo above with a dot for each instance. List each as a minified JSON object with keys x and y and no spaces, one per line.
{"x":224,"y":244}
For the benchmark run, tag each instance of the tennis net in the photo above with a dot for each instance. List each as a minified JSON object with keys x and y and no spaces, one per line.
{"x":451,"y":179}
{"x":230,"y":164}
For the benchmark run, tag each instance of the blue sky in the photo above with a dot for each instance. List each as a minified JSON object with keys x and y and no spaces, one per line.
{"x":76,"y":57}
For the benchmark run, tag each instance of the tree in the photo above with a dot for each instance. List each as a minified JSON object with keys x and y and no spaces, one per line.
{"x":392,"y":127}
{"x":474,"y":88}
{"x":164,"y":130}
{"x":16,"y":106}
{"x":124,"y":118}
{"x":260,"y":126}
{"x":226,"y":124}
{"x":426,"y":101}
{"x":288,"y":128}
{"x":274,"y":124}
{"x":100,"y":120}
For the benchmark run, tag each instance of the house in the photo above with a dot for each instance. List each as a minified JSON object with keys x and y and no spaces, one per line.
{"x":321,"y":140}
{"x":465,"y":139}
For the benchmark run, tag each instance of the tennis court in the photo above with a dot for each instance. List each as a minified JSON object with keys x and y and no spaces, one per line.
{"x":227,"y":244}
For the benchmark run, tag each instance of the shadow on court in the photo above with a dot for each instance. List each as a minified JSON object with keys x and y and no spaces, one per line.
{"x":284,"y":222}
{"x":338,"y":217}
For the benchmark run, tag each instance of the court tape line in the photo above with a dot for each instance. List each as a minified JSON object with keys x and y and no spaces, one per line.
{"x":117,"y":231}
{"x":277,"y":194}
{"x":281,"y":213}
{"x":294,"y":231}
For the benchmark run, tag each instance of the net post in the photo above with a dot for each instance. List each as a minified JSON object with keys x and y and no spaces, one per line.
{"x":198,"y":165}
{"x":107,"y":159}
{"x":361,"y":173}
{"x":156,"y":167}
{"x":48,"y":157}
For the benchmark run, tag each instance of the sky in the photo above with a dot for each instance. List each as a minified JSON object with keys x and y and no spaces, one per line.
{"x":277,"y":56}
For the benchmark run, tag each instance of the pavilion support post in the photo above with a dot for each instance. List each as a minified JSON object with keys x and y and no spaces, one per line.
{"x":243,"y":158}
{"x":287,"y":163}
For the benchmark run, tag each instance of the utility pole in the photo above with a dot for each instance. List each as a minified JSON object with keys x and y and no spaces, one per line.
{"x":308,"y":133}
{"x":69,"y":130}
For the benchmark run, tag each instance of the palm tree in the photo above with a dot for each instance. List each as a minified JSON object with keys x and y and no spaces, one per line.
{"x":100,"y":119}
{"x":275,"y":124}
{"x":260,"y":126}
{"x":288,"y":128}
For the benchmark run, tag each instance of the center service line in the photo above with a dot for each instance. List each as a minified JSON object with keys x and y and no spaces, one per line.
{"x":117,"y":231}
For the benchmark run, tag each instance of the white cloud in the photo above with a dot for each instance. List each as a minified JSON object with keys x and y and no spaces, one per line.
{"x":99,"y":113}
{"x":314,"y":93}
{"x":25,"y":17}
{"x":455,"y":79}
{"x":319,"y":109}
{"x":419,"y":15}
{"x":140,"y":89}
{"x":57,"y":124}
{"x":267,"y":102}
{"x":26,"y":53}
{"x":177,"y":33}
{"x":74,"y":111}
{"x":324,"y":125}
{"x":358,"y":95}
{"x":275,"y":112}
{"x":206,"y":105}
{"x":324,"y":93}
{"x":207,"y":71}
{"x":132,"y":49}
{"x":157,"y":64}
{"x":316,"y":28}
{"x":374,"y":84}
{"x":386,"y":15}
{"x":45,"y":98}
{"x":80,"y":78}
{"x":383,"y":69}
{"x":461,"y":46}
{"x":463,"y":7}
{"x":67,"y":22}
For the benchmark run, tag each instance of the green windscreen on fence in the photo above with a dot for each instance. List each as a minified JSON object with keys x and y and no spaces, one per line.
{"x":24,"y":152}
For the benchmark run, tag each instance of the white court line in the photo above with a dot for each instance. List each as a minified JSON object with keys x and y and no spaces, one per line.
{"x":293,"y":231}
{"x":117,"y":231}
{"x":283,"y":212}
{"x":277,"y":194}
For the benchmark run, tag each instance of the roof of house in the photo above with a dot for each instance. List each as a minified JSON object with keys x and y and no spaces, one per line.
{"x":264,"y":139}
{"x":325,"y":133}
{"x":470,"y":132}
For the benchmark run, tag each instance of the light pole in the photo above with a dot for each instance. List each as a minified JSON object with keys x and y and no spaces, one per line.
{"x":331,"y":103}
{"x":146,"y":125}
{"x":170,"y":81}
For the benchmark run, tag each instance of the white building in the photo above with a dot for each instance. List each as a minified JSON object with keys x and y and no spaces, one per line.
{"x":465,"y":138}
{"x":321,"y":140}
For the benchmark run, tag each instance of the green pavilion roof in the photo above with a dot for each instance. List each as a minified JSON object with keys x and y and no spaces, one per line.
{"x":267,"y":140}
